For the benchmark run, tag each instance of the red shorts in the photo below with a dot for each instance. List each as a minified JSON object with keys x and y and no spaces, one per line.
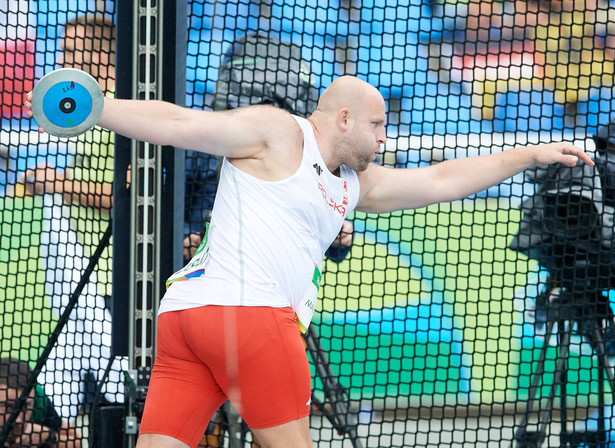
{"x":254,"y":356}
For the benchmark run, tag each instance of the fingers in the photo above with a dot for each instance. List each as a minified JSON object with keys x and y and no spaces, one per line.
{"x":580,"y":154}
{"x":344,"y":237}
{"x":347,"y":227}
{"x":564,"y":153}
{"x":28,"y":105}
{"x":26,"y":180}
{"x":30,"y":434}
{"x":571,"y":161}
{"x":191,"y":244}
{"x":40,"y":180}
{"x":346,"y":242}
{"x":28,"y":102}
{"x":342,"y":240}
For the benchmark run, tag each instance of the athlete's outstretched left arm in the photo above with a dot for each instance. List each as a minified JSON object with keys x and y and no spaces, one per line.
{"x":390,"y":189}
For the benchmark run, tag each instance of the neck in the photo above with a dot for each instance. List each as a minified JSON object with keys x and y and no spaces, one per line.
{"x":325,"y":143}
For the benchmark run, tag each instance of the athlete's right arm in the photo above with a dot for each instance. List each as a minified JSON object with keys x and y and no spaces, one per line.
{"x":237,"y":134}
{"x":240,"y":133}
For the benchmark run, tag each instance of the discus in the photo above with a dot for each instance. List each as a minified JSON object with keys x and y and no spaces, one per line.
{"x":67,"y":102}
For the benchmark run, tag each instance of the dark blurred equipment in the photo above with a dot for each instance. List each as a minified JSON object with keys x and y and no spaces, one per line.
{"x":136,"y":383}
{"x":568,"y":224}
{"x":260,"y":69}
{"x":568,"y":227}
{"x":106,"y":426}
{"x":565,"y":312}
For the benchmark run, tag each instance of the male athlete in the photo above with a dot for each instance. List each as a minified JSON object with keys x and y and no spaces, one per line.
{"x":286,"y":186}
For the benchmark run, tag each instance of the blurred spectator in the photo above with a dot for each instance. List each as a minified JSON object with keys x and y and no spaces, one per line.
{"x":562,"y":47}
{"x":38,"y":424}
{"x":572,"y":47}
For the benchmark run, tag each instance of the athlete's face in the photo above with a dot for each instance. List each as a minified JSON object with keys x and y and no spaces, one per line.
{"x":366,"y":135}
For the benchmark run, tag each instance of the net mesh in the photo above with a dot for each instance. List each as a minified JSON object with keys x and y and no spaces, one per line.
{"x":432,"y":331}
{"x":55,"y":205}
{"x":443,"y":326}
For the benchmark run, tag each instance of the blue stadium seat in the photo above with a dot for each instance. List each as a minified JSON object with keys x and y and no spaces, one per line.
{"x":201,"y":14}
{"x":205,"y":50}
{"x":599,"y":109}
{"x":528,"y":111}
{"x":235,"y":15}
{"x":385,"y":38}
{"x":305,"y":17}
{"x":402,"y":16}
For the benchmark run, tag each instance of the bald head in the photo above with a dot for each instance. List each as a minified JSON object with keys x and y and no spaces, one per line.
{"x":349,"y":92}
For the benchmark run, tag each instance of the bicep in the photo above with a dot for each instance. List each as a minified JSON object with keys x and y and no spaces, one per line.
{"x":386,"y":189}
{"x":233,"y":134}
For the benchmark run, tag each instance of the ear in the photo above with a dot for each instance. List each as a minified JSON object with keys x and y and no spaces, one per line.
{"x":343,"y":119}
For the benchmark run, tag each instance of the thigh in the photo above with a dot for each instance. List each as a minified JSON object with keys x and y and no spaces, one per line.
{"x":182,"y":394}
{"x":295,"y":434}
{"x":258,"y":359}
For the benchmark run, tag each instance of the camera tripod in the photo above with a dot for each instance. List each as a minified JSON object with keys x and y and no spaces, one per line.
{"x":339,"y":416}
{"x":588,"y":310}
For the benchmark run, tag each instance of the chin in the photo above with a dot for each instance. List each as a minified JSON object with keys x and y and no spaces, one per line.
{"x":363,"y":166}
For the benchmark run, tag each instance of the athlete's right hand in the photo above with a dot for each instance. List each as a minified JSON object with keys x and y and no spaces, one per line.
{"x":28,"y":105}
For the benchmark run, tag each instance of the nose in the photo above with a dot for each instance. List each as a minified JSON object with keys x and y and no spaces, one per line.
{"x":382,"y":136}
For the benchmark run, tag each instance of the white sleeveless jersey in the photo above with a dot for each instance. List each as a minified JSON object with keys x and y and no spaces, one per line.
{"x":266,"y":241}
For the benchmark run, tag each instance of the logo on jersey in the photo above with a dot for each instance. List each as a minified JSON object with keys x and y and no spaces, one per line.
{"x":338,"y":207}
{"x":317,"y":168}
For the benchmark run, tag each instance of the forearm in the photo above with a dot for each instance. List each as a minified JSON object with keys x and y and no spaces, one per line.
{"x":45,"y":179}
{"x":410,"y":188}
{"x":36,"y":434}
{"x":87,"y":194}
{"x":458,"y":178}
{"x":471,"y":175}
{"x":162,"y":123}
{"x":151,"y":121}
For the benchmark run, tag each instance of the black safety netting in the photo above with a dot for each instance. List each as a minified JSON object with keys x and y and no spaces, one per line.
{"x":55,"y":255}
{"x":483,"y":322}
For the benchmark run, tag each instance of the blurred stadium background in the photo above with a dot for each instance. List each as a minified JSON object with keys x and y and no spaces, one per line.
{"x":433,"y":325}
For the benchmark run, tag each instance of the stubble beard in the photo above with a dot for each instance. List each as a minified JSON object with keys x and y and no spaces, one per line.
{"x":352,"y":154}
